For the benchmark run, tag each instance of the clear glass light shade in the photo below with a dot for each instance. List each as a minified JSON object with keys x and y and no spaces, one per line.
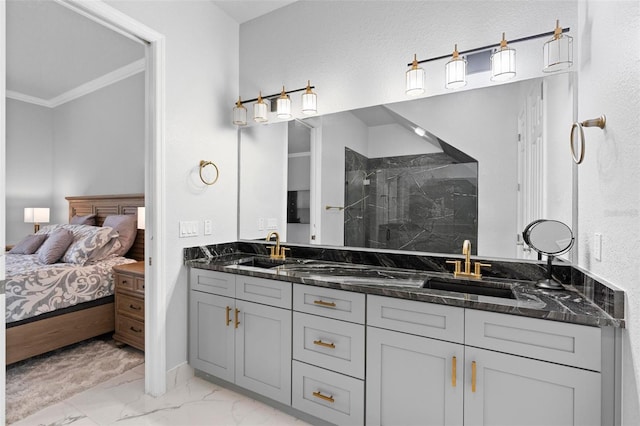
{"x":558,"y":53}
{"x":239,"y":115}
{"x":309,"y":101}
{"x":455,"y":73}
{"x":260,"y":111}
{"x":415,"y":81}
{"x":503,"y":64}
{"x":283,"y":105}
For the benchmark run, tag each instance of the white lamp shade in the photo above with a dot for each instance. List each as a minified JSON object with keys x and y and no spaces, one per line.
{"x":141,"y":218}
{"x":503,"y":64}
{"x":455,"y":73}
{"x":240,"y":115}
{"x":558,"y":53}
{"x":309,"y":103}
{"x":415,"y":81}
{"x":36,"y":215}
{"x":260,"y":112}
{"x":283,"y":105}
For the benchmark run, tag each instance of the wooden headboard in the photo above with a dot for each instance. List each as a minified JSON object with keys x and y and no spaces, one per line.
{"x":106,"y":205}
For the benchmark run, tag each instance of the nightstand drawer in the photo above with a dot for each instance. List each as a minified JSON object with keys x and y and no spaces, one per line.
{"x":130,"y":331}
{"x":327,"y":395}
{"x":329,"y":302}
{"x":328,"y":343}
{"x":125,"y":282}
{"x":131,"y":306}
{"x":139,"y":285}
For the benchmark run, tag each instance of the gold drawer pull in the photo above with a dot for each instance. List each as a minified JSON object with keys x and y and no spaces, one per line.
{"x":324,"y":344}
{"x":473,"y":376}
{"x":228,"y":317}
{"x":453,"y":372}
{"x":237,"y":321}
{"x":134,"y":307}
{"x":326,"y":304}
{"x":135,"y":330}
{"x":324,"y":397}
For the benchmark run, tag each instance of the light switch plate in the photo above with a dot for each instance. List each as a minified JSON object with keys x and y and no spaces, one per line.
{"x":188,"y":228}
{"x":272,"y":223}
{"x":260,"y":224}
{"x":208,"y":227}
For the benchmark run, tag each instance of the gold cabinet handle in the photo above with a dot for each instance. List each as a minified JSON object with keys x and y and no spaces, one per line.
{"x":324,"y":397}
{"x":473,"y":376}
{"x":453,"y":371}
{"x":324,"y":344}
{"x":326,"y":304}
{"x":228,"y":317}
{"x":237,"y":323}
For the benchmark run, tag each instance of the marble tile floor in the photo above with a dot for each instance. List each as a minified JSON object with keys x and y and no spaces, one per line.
{"x":121,"y":401}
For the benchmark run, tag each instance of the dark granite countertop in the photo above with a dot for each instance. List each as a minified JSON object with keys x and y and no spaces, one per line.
{"x":567,"y":305}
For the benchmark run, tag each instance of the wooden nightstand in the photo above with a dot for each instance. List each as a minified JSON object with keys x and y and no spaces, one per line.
{"x":129,"y":301}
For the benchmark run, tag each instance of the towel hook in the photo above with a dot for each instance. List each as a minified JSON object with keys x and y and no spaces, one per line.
{"x":204,"y":164}
{"x":594,"y":122}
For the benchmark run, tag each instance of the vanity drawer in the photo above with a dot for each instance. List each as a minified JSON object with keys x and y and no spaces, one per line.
{"x":260,"y":290}
{"x":559,"y":342}
{"x":419,"y":318}
{"x":328,"y":302}
{"x":327,"y":395}
{"x":328,"y":343}
{"x":213,"y":282}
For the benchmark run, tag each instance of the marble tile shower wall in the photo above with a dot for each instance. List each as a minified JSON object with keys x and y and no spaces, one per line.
{"x":424,"y":202}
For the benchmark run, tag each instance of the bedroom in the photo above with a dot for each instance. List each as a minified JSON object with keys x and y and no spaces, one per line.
{"x":75,"y":113}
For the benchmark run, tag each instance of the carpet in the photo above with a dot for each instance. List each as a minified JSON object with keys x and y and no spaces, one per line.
{"x":46,"y":379}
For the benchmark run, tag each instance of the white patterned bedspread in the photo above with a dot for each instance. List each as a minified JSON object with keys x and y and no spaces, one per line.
{"x":33,"y":289}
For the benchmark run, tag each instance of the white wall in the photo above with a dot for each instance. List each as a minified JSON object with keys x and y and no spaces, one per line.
{"x":201,"y":80}
{"x":609,"y":177}
{"x":263,"y":176}
{"x":29,"y":171}
{"x":390,"y":140}
{"x":99,"y":144}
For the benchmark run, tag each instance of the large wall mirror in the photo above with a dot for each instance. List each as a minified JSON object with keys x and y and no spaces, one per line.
{"x":421,"y":175}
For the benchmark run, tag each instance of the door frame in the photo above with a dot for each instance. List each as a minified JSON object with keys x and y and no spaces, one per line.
{"x":155,"y":252}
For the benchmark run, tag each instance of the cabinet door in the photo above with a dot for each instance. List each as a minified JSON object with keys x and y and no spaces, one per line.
{"x":263,"y":350}
{"x":411,"y":380}
{"x":511,"y":390}
{"x":211,"y":337}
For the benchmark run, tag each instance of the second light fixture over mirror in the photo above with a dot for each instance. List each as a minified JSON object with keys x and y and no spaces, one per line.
{"x":261,"y":106}
{"x":557,"y":55}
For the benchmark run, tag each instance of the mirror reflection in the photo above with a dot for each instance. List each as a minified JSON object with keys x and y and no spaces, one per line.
{"x":421,"y":175}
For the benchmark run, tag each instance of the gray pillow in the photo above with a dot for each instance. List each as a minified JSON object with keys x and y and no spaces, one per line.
{"x":127,"y":228}
{"x":28,"y":245}
{"x":89,"y":219}
{"x":55,"y":246}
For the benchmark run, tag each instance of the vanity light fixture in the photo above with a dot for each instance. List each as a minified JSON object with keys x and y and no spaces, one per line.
{"x":455,"y":71}
{"x":283,"y":105}
{"x":309,"y":100}
{"x":503,"y":62}
{"x":239,"y":113}
{"x":558,"y":52}
{"x":260,"y":110}
{"x":415,"y":78}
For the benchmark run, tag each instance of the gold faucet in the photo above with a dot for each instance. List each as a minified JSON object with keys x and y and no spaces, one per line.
{"x":277,"y":252}
{"x":458,"y":272}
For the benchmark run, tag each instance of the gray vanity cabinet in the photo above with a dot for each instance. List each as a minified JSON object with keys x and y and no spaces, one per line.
{"x":244,"y":339}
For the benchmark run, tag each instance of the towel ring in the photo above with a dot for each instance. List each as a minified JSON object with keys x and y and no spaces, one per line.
{"x":204,"y":164}
{"x":594,"y":122}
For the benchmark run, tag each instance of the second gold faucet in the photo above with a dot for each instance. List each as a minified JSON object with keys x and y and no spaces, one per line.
{"x":276,"y":252}
{"x":458,"y":272}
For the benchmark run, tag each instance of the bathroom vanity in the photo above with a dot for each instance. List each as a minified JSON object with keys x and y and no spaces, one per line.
{"x":353,"y":343}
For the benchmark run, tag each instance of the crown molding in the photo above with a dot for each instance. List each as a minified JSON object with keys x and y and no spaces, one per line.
{"x":84,"y":89}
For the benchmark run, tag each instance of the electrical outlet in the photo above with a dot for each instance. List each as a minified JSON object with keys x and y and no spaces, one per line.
{"x":260,"y":224}
{"x":597,"y":246}
{"x":208,"y":227}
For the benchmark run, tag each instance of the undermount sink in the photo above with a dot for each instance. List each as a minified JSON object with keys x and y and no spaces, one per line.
{"x":261,"y":262}
{"x":480,"y":288}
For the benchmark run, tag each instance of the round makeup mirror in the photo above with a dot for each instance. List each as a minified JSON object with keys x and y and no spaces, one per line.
{"x":551,"y":238}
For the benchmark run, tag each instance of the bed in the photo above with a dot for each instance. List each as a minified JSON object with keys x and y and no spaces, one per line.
{"x":67,"y":314}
